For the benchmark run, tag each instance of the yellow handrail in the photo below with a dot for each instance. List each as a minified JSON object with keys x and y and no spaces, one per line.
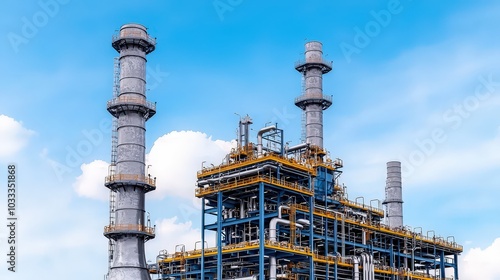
{"x":146,"y":229}
{"x":381,"y":227}
{"x":238,"y":183}
{"x":307,"y":167}
{"x":131,"y":177}
{"x":242,"y":246}
{"x":353,"y":204}
{"x":342,"y":261}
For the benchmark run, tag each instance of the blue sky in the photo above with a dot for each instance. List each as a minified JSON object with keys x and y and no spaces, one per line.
{"x":416,"y":81}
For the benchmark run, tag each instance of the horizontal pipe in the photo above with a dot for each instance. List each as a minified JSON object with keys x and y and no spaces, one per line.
{"x":234,"y":175}
{"x":297,"y":147}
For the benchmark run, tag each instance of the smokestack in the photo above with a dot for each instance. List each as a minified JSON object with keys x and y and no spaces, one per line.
{"x":130,"y":230}
{"x":312,"y":100}
{"x":394,"y":195}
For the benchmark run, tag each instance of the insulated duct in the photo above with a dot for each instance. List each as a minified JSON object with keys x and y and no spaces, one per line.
{"x":201,"y":183}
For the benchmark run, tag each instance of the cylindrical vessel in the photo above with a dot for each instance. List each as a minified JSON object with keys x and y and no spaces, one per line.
{"x":314,"y":75}
{"x":312,"y":100}
{"x":394,"y":195}
{"x":130,"y":183}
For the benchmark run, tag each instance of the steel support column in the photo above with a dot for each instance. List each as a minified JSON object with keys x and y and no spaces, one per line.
{"x":261,"y":231}
{"x":219,"y":235}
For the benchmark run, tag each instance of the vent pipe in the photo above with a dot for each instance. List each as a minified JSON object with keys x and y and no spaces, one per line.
{"x":243,"y":133}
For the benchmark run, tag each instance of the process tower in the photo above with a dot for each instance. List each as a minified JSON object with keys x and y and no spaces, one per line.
{"x":127,"y":179}
{"x":312,"y":101}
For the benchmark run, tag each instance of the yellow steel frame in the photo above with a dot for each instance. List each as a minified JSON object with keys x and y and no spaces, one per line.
{"x":353,"y":204}
{"x":250,"y":161}
{"x":383,"y":228}
{"x":238,"y":247}
{"x":287,"y":247}
{"x":200,"y":192}
{"x":345,"y":262}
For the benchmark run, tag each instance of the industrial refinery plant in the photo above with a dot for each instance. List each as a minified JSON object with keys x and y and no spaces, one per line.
{"x":277,"y":211}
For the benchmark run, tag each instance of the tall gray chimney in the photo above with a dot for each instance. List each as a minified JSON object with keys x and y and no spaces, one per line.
{"x":394,"y":195}
{"x":312,"y":100}
{"x":128,"y":180}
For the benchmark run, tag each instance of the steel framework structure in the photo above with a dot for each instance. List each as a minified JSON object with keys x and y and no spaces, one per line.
{"x":279,"y":212}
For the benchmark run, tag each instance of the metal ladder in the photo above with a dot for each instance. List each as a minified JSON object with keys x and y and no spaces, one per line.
{"x":303,"y":117}
{"x":112,"y":166}
{"x":292,"y":224}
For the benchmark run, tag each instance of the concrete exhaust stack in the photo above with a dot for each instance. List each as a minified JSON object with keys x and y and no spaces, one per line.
{"x":130,"y":230}
{"x":394,"y":195}
{"x":312,"y":100}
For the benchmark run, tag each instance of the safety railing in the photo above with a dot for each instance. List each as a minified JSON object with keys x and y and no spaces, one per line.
{"x":289,"y":185}
{"x":142,"y":228}
{"x":327,"y":163}
{"x":238,"y":183}
{"x":126,"y":100}
{"x":438,"y":241}
{"x":305,"y":97}
{"x":290,"y":162}
{"x":303,"y":164}
{"x":129,"y":34}
{"x":353,"y":204}
{"x":242,"y":246}
{"x":409,"y":234}
{"x":319,"y":212}
{"x":288,"y":247}
{"x":343,"y":261}
{"x":131,"y":177}
{"x":379,"y":269}
{"x":382,"y":227}
{"x":320,"y":60}
{"x":224,"y":187}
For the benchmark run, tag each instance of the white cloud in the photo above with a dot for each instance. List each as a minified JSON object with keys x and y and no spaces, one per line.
{"x":170,"y":233}
{"x":91,"y":182}
{"x":174,"y":158}
{"x":481,"y":264}
{"x":13,"y":136}
{"x":177,"y":156}
{"x":56,"y":227}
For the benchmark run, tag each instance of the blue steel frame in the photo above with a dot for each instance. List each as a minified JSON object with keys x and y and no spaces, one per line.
{"x":323,"y":184}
